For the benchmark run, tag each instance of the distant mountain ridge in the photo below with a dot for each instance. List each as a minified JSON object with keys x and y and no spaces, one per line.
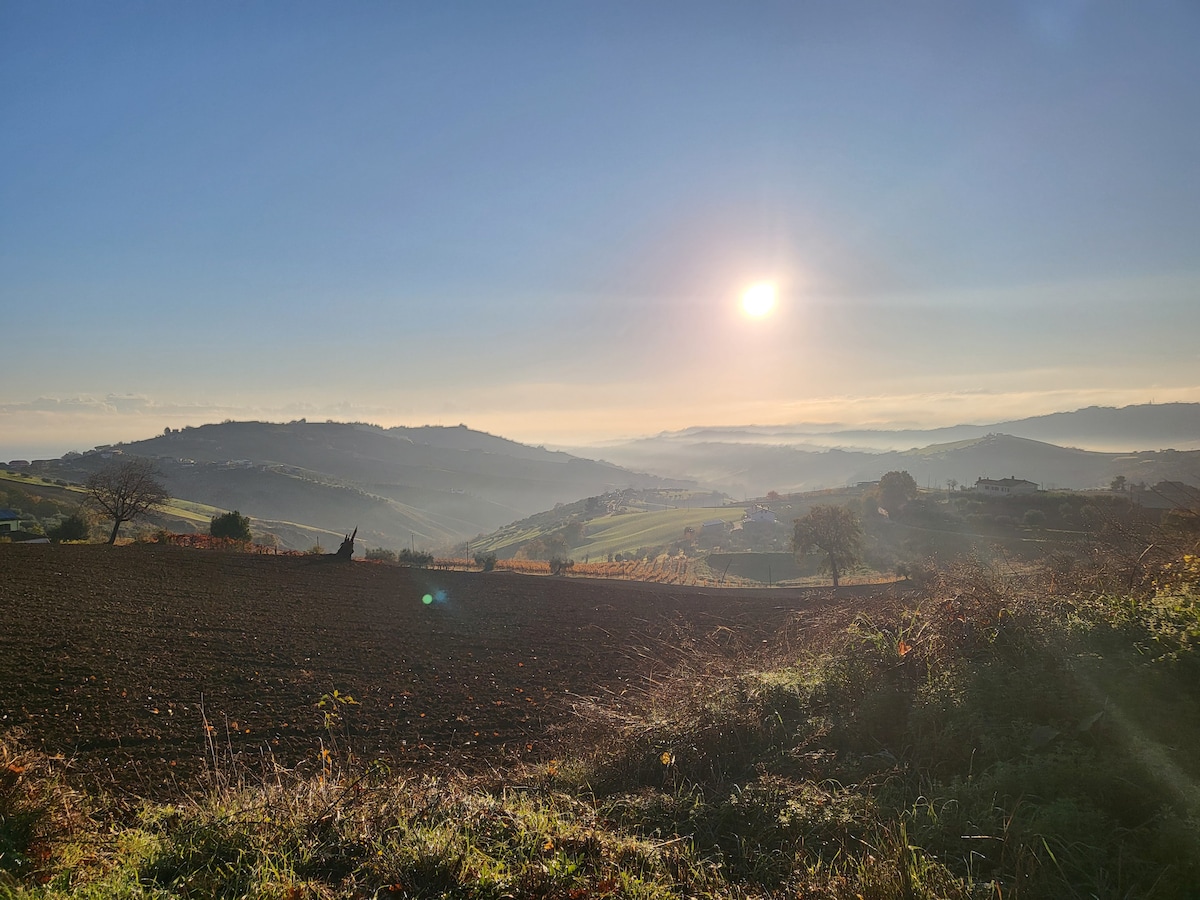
{"x":1148,"y":426}
{"x":434,"y":486}
{"x":752,"y":470}
{"x":1164,"y":426}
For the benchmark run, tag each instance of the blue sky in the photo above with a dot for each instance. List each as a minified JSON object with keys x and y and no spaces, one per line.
{"x":537,"y":218}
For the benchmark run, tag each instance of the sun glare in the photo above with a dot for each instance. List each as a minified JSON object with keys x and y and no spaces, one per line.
{"x":759,"y":300}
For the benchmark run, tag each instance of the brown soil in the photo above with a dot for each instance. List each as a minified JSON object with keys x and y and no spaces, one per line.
{"x":128,"y":660}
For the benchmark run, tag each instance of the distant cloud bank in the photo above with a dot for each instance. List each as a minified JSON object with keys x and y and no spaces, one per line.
{"x":47,"y":427}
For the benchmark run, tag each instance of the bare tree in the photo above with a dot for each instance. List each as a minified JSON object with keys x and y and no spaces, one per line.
{"x":126,"y":491}
{"x":835,"y":532}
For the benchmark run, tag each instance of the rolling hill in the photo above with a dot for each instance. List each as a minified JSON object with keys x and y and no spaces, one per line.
{"x":436,"y":486}
{"x":752,"y":469}
{"x":425,"y":486}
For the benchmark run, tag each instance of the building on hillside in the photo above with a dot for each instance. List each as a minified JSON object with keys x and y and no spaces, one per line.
{"x":759,"y":515}
{"x":714,"y":525}
{"x":9,"y":521}
{"x":1005,"y":487}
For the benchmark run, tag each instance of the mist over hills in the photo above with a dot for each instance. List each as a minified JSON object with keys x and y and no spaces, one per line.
{"x":431,"y":486}
{"x":1155,"y":442}
{"x":751,"y":470}
{"x":1109,"y":429}
{"x":434,"y":486}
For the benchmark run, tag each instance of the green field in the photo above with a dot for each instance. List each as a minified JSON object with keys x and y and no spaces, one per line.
{"x":624,"y":532}
{"x":627,"y":532}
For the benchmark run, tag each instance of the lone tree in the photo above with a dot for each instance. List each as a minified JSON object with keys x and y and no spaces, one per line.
{"x":833,"y":531}
{"x":126,"y":491}
{"x":896,"y":489}
{"x":231,"y":525}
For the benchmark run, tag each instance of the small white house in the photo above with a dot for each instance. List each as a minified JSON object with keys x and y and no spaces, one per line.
{"x":1005,"y":487}
{"x":9,"y":520}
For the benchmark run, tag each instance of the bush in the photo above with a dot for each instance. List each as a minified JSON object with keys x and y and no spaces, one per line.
{"x":73,"y":528}
{"x":382,"y":554}
{"x":485,"y":561}
{"x":231,"y":525}
{"x":560,"y":566}
{"x":921,"y":574}
{"x":418,"y":558}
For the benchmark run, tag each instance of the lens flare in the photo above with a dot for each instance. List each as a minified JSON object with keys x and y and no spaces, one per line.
{"x":427,"y":599}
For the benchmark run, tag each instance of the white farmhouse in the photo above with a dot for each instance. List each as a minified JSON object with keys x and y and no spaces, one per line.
{"x":1005,"y":487}
{"x":9,"y":520}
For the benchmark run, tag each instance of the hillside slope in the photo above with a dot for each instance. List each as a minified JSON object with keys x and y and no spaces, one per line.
{"x":431,"y":486}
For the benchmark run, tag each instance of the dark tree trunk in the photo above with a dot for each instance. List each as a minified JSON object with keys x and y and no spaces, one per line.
{"x":112,"y":538}
{"x":346,"y":551}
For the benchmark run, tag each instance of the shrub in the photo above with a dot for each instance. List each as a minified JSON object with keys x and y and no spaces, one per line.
{"x":560,"y":566}
{"x":920,"y":573}
{"x":382,"y":554}
{"x":231,"y":525}
{"x":485,"y":561}
{"x":418,"y":558}
{"x":73,"y":528}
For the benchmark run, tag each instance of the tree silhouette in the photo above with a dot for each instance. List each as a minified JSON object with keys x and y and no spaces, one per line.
{"x":896,"y":489}
{"x":231,"y":525}
{"x":126,"y":491}
{"x":835,"y":532}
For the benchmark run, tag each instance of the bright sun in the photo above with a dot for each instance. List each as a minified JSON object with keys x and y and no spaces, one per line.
{"x":759,"y":300}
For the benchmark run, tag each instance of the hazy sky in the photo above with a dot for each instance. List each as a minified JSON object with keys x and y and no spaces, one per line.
{"x":538,"y":218}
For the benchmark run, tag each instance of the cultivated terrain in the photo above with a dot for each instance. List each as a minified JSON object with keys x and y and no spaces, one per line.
{"x":195,"y":723}
{"x":121,"y":659}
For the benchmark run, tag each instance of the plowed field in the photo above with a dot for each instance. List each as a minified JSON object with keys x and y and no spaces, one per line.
{"x":130,"y":660}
